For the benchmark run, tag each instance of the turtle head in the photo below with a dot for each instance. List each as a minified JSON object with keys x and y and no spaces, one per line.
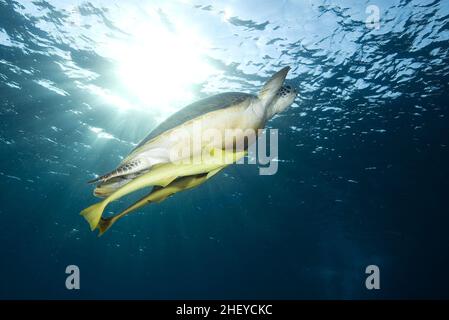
{"x":284,"y":98}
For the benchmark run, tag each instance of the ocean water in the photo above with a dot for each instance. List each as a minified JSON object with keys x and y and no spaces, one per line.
{"x":363,"y":151}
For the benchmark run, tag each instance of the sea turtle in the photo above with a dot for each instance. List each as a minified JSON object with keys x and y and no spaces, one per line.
{"x":230,"y":110}
{"x":150,"y":163}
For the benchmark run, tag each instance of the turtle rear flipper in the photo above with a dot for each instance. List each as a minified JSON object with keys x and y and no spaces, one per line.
{"x":107,"y":187}
{"x":127,"y":168}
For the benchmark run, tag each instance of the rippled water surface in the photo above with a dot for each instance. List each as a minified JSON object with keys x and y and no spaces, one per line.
{"x":363,"y":152}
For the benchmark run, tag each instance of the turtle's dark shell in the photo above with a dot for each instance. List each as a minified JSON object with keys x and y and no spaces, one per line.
{"x":196,"y":109}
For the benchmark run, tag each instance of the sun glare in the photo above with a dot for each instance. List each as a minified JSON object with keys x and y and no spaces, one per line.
{"x":159,"y":67}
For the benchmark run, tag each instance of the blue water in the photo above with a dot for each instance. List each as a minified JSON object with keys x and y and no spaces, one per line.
{"x":363,"y":152}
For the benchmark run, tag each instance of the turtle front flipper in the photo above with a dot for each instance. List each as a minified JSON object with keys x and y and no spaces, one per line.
{"x":272,"y":86}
